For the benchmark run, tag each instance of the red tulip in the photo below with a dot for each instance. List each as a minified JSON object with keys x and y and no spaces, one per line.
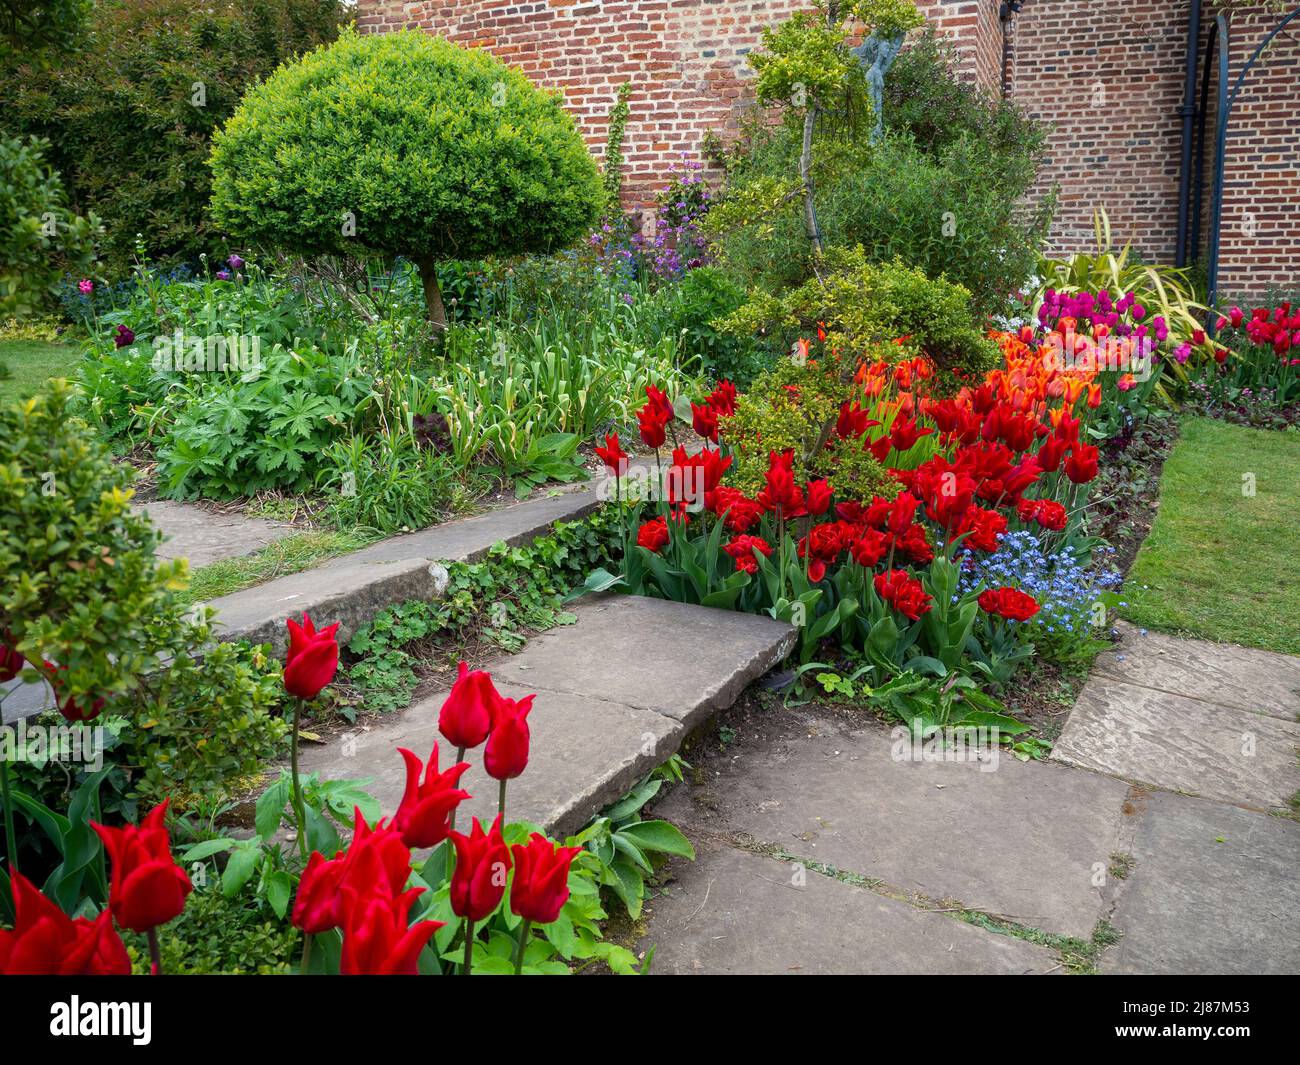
{"x":425,"y":810}
{"x":11,"y":663}
{"x":653,"y":535}
{"x":67,"y":704}
{"x":466,"y":716}
{"x":376,"y":861}
{"x":312,"y":658}
{"x":613,"y":455}
{"x":541,"y":885}
{"x":376,"y":939}
{"x":482,"y":866}
{"x":819,"y":497}
{"x":704,"y":420}
{"x":1010,"y":603}
{"x":903,"y":592}
{"x":723,"y":399}
{"x":506,"y":753}
{"x":148,"y":887}
{"x":1081,"y":463}
{"x":47,"y":942}
{"x":652,"y":426}
{"x":743,"y":549}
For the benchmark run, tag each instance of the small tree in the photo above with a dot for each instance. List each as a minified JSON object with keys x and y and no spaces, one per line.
{"x":404,"y":144}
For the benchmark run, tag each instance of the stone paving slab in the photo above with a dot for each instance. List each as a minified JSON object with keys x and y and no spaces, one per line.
{"x":1020,"y":841}
{"x":676,"y":659}
{"x":204,"y":536}
{"x":584,"y":754}
{"x":1213,"y":891}
{"x":1181,"y":744}
{"x":732,"y":912}
{"x":1263,"y":682}
{"x":353,"y":588}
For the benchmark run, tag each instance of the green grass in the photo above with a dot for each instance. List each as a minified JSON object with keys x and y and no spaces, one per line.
{"x":293,"y":554}
{"x":1221,"y":563}
{"x":31,"y":363}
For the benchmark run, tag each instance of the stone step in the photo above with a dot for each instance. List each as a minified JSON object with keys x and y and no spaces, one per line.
{"x":617,"y":693}
{"x":352,"y":588}
{"x":204,"y":535}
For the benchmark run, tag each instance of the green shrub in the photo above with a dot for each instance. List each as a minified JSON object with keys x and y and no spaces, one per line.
{"x":215,"y":935}
{"x":84,"y":590}
{"x":691,"y":310}
{"x":404,"y":144}
{"x":942,"y":190}
{"x":40,"y":239}
{"x":862,"y":304}
{"x":129,"y":123}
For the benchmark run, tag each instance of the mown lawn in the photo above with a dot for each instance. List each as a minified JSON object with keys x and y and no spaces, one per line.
{"x":1222,"y":563}
{"x":31,"y":363}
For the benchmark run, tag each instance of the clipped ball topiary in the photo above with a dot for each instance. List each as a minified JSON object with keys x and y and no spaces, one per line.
{"x":403,"y":144}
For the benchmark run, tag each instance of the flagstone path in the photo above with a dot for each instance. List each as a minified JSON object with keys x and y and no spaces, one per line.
{"x":827,"y":845}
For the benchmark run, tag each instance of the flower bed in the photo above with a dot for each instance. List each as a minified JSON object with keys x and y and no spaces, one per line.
{"x":886,"y":509}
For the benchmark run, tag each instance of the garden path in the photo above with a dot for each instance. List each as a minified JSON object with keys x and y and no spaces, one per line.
{"x":617,"y":693}
{"x":828,"y":845}
{"x":204,"y":536}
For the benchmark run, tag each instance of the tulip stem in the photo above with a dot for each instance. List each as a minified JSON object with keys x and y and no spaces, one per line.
{"x":451,"y":821}
{"x":501,"y":801}
{"x":469,"y":946}
{"x":155,"y":955}
{"x":524,"y":929}
{"x":299,"y":812}
{"x":11,"y":837}
{"x":307,"y":940}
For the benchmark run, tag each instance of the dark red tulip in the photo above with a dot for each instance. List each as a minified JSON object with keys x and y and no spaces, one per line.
{"x":506,"y":753}
{"x":541,"y":884}
{"x":376,"y":938}
{"x":11,"y":663}
{"x":148,"y":887}
{"x":425,"y":811}
{"x":376,"y":859}
{"x":312,"y":659}
{"x":466,"y":716}
{"x":482,"y":867}
{"x":47,"y":942}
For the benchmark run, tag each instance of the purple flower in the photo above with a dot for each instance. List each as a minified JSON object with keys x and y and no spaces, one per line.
{"x":235,"y":262}
{"x":86,"y":286}
{"x":223,"y":275}
{"x":123,"y":337}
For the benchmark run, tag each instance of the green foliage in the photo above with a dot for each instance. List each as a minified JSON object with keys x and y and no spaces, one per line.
{"x":385,"y":483}
{"x":52,"y":24}
{"x":790,"y":407}
{"x":942,"y":190}
{"x":863,"y":304}
{"x":612,"y":175}
{"x":512,"y":591}
{"x":128,"y":120}
{"x":690,"y":310}
{"x":87,"y":593}
{"x":40,"y":238}
{"x":627,"y":848}
{"x":403,"y":143}
{"x":217,"y":935}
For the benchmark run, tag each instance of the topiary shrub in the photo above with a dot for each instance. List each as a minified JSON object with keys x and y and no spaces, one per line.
{"x":131,"y":103}
{"x":40,"y":239}
{"x":404,"y":144}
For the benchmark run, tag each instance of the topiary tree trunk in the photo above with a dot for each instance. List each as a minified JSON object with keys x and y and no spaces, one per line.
{"x":437,"y":313}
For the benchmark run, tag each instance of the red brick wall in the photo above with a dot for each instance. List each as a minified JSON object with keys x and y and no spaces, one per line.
{"x":685,"y":59}
{"x":1107,"y":73}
